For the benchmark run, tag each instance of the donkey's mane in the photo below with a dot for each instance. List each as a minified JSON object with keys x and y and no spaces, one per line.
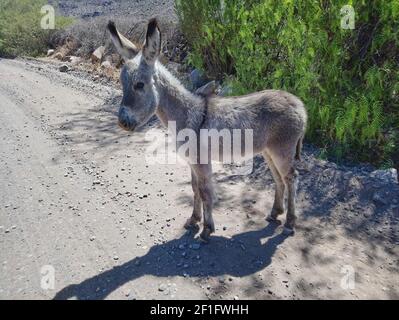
{"x":174,"y":83}
{"x":178,"y":99}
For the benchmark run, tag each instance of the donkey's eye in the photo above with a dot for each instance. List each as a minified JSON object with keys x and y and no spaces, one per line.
{"x":139,"y":86}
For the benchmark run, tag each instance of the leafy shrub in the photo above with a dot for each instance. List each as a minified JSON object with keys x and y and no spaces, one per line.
{"x":349,"y":79}
{"x":20,"y":28}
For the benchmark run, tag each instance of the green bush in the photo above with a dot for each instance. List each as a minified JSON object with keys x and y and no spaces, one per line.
{"x":20,"y":28}
{"x":348,"y":79}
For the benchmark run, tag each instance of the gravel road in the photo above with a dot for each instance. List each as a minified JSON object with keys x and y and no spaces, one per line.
{"x":78,"y":201}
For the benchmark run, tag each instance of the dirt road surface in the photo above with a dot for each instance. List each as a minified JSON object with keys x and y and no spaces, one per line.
{"x":83,"y":216}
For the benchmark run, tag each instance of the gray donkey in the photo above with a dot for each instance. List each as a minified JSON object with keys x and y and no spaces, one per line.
{"x":277,"y":119}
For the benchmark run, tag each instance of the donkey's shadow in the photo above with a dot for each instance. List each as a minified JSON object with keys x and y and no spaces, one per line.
{"x":239,"y":256}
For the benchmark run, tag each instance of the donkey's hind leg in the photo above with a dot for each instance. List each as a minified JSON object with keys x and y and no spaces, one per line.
{"x":192,"y":222}
{"x":203,"y":174}
{"x":285,"y":164}
{"x":278,"y":205}
{"x":291,"y":179}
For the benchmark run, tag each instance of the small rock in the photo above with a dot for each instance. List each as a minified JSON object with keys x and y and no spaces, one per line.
{"x":64,"y":68}
{"x":50,"y":52}
{"x":75,"y":60}
{"x":116,"y":258}
{"x":197,"y":79}
{"x":98,"y":54}
{"x":162,"y":287}
{"x":92,"y":238}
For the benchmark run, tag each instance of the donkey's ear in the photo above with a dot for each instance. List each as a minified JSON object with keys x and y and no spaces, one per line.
{"x":153,"y":40}
{"x":124,"y":46}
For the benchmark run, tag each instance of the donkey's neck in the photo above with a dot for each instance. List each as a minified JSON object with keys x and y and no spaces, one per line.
{"x":176,"y":103}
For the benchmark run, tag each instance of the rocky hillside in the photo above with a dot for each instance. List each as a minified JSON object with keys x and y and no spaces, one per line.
{"x":139,"y":9}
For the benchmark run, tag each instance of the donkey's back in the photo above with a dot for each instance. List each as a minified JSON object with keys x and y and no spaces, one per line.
{"x":276,"y":117}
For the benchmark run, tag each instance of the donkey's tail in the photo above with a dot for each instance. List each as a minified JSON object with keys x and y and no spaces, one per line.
{"x":299,"y":149}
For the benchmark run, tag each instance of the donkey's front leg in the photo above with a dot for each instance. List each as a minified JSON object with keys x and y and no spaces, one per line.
{"x":192,"y":222}
{"x":203,"y":173}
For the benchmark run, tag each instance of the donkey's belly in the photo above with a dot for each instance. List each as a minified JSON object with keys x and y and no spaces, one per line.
{"x":228,"y":149}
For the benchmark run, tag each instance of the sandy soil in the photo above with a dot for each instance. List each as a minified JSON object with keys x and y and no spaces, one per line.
{"x":77,"y":195}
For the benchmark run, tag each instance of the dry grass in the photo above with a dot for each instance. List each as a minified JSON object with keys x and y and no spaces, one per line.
{"x":89,"y":35}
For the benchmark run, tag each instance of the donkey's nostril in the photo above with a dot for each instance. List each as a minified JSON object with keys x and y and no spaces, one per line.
{"x":123,"y":126}
{"x":127,"y":126}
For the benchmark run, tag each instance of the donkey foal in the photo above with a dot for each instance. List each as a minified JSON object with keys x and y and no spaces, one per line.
{"x":277,"y":118}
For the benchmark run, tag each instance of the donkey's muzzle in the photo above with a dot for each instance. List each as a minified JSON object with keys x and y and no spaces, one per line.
{"x":126,"y":120}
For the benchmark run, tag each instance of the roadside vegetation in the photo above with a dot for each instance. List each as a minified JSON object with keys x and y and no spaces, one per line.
{"x":348,"y":78}
{"x":20,"y":28}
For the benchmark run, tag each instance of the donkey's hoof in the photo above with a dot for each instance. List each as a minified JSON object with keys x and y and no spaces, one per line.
{"x":270,"y":218}
{"x":205,"y":235}
{"x":288,"y":231}
{"x":191,"y":224}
